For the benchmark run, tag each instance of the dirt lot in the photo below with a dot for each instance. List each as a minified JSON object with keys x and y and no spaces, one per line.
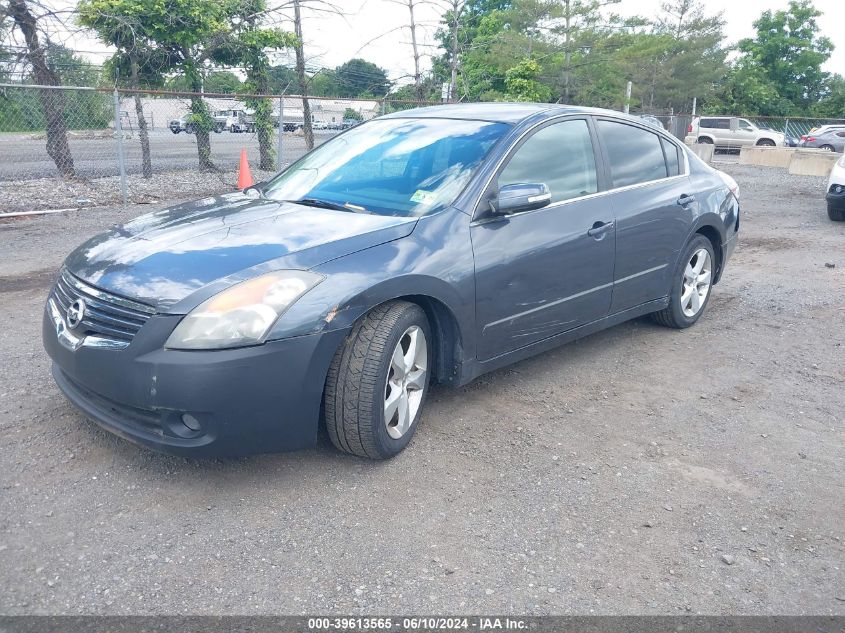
{"x":640,"y":470}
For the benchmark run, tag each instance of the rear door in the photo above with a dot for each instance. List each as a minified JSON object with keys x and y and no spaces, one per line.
{"x":652,"y":202}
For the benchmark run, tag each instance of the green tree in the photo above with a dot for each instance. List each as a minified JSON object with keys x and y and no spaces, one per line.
{"x":247,"y":45}
{"x":358,"y":77}
{"x":833,"y":103}
{"x":789,"y":52}
{"x":223,"y":81}
{"x":522,"y":85}
{"x":116,"y":24}
{"x":184,"y":32}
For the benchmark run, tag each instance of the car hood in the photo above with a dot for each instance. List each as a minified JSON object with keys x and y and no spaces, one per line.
{"x":163,"y":258}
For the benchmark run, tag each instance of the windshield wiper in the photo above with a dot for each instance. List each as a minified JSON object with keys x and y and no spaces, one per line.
{"x":328,"y":204}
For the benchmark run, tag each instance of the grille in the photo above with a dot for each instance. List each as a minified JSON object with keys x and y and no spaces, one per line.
{"x":106,"y":315}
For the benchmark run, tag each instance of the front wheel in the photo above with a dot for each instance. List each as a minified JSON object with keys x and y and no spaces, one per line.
{"x":837,"y":215}
{"x":691,"y":285}
{"x":378,"y":382}
{"x":765,"y":143}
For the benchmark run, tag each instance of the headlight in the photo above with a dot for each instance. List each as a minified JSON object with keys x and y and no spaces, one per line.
{"x":243,"y":314}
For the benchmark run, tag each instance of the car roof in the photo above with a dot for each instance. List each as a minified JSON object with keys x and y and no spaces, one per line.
{"x":495,"y":112}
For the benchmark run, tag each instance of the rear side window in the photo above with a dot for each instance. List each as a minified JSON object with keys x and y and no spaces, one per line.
{"x":634,"y":154}
{"x":673,"y":161}
{"x":560,"y":155}
{"x":719,"y":124}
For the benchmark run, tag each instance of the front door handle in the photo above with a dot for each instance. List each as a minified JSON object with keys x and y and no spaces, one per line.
{"x":599,"y":229}
{"x":684,"y":200}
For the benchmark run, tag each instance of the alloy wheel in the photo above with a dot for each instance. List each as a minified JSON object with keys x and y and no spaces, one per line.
{"x":697,"y":278}
{"x":406,"y":382}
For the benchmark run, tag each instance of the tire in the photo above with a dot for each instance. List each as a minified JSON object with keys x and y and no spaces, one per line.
{"x":176,"y":131}
{"x":765,"y":142}
{"x":704,"y":140}
{"x":362,"y":379}
{"x":837,"y":215}
{"x":827,"y":148}
{"x":675,"y":315}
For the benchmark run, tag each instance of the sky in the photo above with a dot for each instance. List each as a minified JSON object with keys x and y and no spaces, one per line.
{"x":375,"y":31}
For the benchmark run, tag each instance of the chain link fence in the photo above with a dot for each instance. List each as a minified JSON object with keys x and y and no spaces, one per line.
{"x":144,"y":146}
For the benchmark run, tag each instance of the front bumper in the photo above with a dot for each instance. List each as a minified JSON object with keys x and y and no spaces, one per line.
{"x":250,"y":400}
{"x":836,"y":200}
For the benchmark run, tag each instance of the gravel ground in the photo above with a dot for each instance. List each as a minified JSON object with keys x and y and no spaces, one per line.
{"x":640,"y":470}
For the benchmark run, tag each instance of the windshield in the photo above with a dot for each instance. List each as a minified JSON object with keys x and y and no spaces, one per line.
{"x":404,"y":167}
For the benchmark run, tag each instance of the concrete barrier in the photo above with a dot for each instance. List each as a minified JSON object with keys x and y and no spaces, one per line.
{"x":766,"y":156}
{"x":812,"y":162}
{"x":703,"y":150}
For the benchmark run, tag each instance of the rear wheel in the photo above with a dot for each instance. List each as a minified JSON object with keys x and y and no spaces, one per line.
{"x":705,"y":140}
{"x":378,"y":382}
{"x":691,"y":285}
{"x":827,"y":148}
{"x":837,"y":215}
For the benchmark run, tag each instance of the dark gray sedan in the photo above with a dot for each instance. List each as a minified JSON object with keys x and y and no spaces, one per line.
{"x":431,"y":245}
{"x":830,"y":139}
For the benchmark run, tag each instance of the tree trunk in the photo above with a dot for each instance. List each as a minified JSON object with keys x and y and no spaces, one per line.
{"x":52,"y":101}
{"x":418,"y":88}
{"x":264,"y":125}
{"x":303,"y":82}
{"x":202,"y":120}
{"x":143,"y":135}
{"x":453,"y":84}
{"x":567,"y":57}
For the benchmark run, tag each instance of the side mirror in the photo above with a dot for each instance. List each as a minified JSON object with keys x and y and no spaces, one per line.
{"x":520,"y":197}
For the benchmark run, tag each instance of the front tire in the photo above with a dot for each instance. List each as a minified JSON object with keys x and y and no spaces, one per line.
{"x":691,"y":285}
{"x":837,"y":215}
{"x":765,"y":143}
{"x":378,"y":382}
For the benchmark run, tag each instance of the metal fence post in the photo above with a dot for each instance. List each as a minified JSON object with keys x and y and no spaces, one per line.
{"x":118,"y":130}
{"x":281,"y":130}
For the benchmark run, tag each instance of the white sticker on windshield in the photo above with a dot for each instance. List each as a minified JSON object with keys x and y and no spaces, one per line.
{"x":423,"y":196}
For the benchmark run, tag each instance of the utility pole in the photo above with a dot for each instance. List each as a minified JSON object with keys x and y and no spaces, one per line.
{"x":567,"y":55}
{"x":418,"y":89}
{"x":628,"y":98}
{"x":300,"y":74}
{"x":457,"y":7}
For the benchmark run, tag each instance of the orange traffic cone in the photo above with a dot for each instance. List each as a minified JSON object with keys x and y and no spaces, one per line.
{"x":244,"y":175}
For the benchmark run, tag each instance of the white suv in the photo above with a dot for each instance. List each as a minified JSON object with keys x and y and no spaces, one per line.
{"x":727,"y":132}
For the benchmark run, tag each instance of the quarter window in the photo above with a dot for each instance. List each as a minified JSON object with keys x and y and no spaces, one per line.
{"x":634,"y":154}
{"x":559,"y":155}
{"x":673,"y":162}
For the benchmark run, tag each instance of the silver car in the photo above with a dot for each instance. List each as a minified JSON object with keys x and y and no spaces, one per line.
{"x":731,"y":133}
{"x":832,"y":140}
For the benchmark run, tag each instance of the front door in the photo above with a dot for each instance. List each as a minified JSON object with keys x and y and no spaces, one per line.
{"x":542,"y":272}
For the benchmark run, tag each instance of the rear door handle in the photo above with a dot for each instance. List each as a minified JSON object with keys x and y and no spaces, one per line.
{"x":684,"y":200}
{"x":599,"y":229}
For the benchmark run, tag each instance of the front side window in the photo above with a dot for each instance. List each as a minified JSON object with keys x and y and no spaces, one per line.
{"x":559,"y":155}
{"x":745,"y":125}
{"x":634,"y":154}
{"x":402,"y":167}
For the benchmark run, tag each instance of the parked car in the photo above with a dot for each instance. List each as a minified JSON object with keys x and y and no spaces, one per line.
{"x":234,"y":120}
{"x":348,"y":123}
{"x":431,"y":245}
{"x":653,"y":121}
{"x":731,"y":133}
{"x":823,"y":129}
{"x":182,"y":124}
{"x":836,"y":192}
{"x":831,"y":140}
